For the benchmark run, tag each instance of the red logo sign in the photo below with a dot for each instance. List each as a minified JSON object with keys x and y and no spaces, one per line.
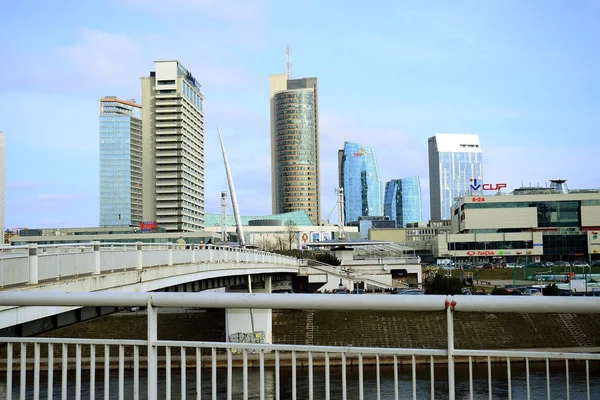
{"x":148,"y":226}
{"x":478,"y":199}
{"x":470,"y":253}
{"x":360,"y":153}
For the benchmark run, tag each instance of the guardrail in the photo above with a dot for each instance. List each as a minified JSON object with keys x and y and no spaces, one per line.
{"x":264,"y":367}
{"x":28,"y":265}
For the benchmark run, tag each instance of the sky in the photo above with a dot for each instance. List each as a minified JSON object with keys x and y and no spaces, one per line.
{"x":524,"y":75}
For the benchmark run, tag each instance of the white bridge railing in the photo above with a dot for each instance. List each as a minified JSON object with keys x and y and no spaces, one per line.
{"x":155,"y":368}
{"x":29,"y":265}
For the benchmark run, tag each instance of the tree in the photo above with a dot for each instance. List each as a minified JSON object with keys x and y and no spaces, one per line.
{"x":291,"y":230}
{"x":328,"y":258}
{"x":551,"y":290}
{"x":439,"y":284}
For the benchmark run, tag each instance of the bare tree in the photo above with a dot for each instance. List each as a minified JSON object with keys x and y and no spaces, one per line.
{"x":291,"y":230}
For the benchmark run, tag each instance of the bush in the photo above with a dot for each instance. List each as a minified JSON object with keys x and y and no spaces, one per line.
{"x":551,"y":290}
{"x":327,"y":258}
{"x":439,"y":284}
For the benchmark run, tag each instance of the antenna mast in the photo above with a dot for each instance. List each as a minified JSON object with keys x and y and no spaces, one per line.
{"x":288,"y":60}
{"x":236,"y":211}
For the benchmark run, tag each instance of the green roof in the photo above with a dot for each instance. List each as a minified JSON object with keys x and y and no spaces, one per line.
{"x":299,"y":218}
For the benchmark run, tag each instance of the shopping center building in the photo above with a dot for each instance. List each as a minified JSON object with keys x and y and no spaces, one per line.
{"x":529,"y":225}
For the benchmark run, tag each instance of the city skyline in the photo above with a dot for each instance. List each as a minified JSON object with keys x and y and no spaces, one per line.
{"x":501,"y":70}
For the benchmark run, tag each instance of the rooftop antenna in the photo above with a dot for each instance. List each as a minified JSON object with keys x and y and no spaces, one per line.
{"x":236,"y":211}
{"x":288,"y":60}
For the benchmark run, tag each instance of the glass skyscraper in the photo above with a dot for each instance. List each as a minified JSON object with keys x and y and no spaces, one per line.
{"x":454,"y":159}
{"x":402,"y":202}
{"x":120,"y":162}
{"x":295,"y":145}
{"x":359,"y":177}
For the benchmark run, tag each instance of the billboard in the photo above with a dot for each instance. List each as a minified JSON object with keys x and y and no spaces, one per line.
{"x":147,"y":226}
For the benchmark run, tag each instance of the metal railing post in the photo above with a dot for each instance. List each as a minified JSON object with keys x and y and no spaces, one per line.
{"x":450,"y":303}
{"x":193,"y":248}
{"x":140,"y":255}
{"x":170,"y":252}
{"x":152,"y":350}
{"x":97,"y":267}
{"x":33,"y":264}
{"x":210,"y":253}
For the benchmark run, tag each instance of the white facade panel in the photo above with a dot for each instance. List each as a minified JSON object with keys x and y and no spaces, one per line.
{"x":590,"y":216}
{"x":498,"y":218}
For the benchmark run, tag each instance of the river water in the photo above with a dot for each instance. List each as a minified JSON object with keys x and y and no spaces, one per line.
{"x":558,"y":383}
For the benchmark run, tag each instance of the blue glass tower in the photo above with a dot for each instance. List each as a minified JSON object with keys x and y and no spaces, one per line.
{"x":120,"y":163}
{"x":359,"y":177}
{"x":403,"y":202}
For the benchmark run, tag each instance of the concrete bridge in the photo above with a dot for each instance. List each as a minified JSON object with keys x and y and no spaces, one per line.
{"x":141,"y":267}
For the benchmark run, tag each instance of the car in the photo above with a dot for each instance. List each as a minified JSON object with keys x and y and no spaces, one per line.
{"x":511,"y":265}
{"x":357,"y":291}
{"x":413,"y":292}
{"x":532,"y":292}
{"x":580,"y":264}
{"x":282,"y":291}
{"x":339,"y":291}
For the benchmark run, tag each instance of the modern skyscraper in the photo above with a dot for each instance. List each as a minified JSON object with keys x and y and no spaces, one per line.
{"x":403,"y":202}
{"x":454,"y":159}
{"x":2,"y":182}
{"x":120,"y":162}
{"x":173,"y":144}
{"x":359,"y":176}
{"x":295,"y":145}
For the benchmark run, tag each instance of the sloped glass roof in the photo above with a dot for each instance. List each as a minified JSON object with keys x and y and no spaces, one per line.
{"x":299,"y":218}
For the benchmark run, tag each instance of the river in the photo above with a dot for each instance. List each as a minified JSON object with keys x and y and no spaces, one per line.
{"x":558,"y":385}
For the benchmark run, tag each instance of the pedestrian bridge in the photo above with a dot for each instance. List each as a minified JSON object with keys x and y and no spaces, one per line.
{"x":144,"y":267}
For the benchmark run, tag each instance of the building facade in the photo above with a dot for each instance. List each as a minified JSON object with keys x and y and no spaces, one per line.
{"x":120,"y":162}
{"x":359,"y":177}
{"x":540,"y":223}
{"x":402,"y":201}
{"x":295,"y":145}
{"x":173,"y":148}
{"x":455,"y":170}
{"x":2,"y":181}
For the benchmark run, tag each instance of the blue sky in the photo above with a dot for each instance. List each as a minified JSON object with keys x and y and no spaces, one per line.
{"x":521,"y":74}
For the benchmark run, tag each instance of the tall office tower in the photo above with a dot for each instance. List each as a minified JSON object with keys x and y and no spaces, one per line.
{"x":173,"y":133}
{"x":295,"y":145}
{"x":402,"y":201}
{"x":359,"y":176}
{"x":120,"y":162}
{"x":2,"y":181}
{"x":454,"y":159}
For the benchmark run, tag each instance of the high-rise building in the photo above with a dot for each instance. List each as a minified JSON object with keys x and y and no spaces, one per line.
{"x":2,"y":181}
{"x":295,"y":145}
{"x":359,"y":177}
{"x":454,"y":159}
{"x":120,"y":162}
{"x":173,"y":147}
{"x":402,"y":201}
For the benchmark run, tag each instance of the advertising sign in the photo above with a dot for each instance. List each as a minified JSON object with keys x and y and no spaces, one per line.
{"x":593,"y":242}
{"x":147,"y":226}
{"x":477,"y":184}
{"x":303,"y":240}
{"x":326,"y":236}
{"x":315,"y":236}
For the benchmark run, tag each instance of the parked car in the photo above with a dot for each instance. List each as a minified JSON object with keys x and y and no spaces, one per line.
{"x":339,"y":291}
{"x":413,"y":292}
{"x":532,"y":292}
